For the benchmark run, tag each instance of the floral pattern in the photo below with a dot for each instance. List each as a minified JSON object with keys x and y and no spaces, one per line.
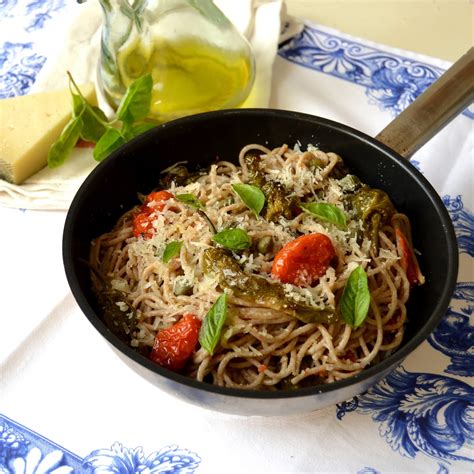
{"x":41,"y":11}
{"x":7,"y":7}
{"x":20,"y":61}
{"x":21,"y":447}
{"x":454,"y":336}
{"x":34,"y":13}
{"x":463,"y":221}
{"x":170,"y":459}
{"x":426,"y":413}
{"x":19,"y":66}
{"x":23,"y":450}
{"x":12,"y":444}
{"x":392,"y":82}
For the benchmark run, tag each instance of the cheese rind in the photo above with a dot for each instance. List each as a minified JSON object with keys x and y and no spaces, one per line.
{"x":29,"y":125}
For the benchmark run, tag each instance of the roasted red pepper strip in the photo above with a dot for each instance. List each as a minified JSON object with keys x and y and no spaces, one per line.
{"x":174,"y":346}
{"x":144,"y":217}
{"x":407,"y":259}
{"x":303,"y":260}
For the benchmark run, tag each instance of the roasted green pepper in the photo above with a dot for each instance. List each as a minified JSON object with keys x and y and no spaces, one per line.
{"x":374,"y":208}
{"x":179,"y":176}
{"x":279,"y":202}
{"x":121,"y":323}
{"x":221,"y":265}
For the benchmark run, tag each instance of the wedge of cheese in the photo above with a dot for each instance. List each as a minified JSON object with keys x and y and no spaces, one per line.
{"x":29,"y":125}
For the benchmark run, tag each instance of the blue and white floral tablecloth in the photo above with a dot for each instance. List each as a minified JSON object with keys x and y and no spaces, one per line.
{"x":71,"y":406}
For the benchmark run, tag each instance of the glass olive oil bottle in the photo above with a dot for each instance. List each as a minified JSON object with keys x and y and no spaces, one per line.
{"x":198,"y":60}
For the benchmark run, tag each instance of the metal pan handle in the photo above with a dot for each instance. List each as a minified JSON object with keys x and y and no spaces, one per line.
{"x":433,"y":109}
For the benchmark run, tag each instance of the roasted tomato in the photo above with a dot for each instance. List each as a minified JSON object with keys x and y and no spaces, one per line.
{"x":302,"y":261}
{"x":145,"y":215}
{"x":174,"y":346}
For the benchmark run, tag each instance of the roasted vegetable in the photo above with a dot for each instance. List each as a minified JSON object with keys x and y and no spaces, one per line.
{"x":350,"y":183}
{"x":174,"y":345}
{"x":257,"y":176}
{"x":374,"y":208}
{"x":405,"y":251}
{"x":339,"y":171}
{"x":279,"y":202}
{"x":144,"y":216}
{"x":117,"y":313}
{"x":179,"y":176}
{"x":303,"y":260}
{"x":219,"y":264}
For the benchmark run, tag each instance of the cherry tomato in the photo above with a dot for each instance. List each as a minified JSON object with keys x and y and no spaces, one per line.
{"x":156,"y":199}
{"x":144,"y":217}
{"x":143,"y":225}
{"x":303,"y":260}
{"x":174,"y":346}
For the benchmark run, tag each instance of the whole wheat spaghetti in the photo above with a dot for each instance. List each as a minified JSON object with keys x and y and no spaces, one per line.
{"x":262,"y":345}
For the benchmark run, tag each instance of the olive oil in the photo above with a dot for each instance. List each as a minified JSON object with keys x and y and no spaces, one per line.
{"x":189,"y":75}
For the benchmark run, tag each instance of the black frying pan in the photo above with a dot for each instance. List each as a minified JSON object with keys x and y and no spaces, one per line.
{"x":112,"y":189}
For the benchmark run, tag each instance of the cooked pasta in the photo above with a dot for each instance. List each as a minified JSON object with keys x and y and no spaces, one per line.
{"x":145,"y":285}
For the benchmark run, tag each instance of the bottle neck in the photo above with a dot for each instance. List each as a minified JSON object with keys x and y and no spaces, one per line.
{"x":133,"y":8}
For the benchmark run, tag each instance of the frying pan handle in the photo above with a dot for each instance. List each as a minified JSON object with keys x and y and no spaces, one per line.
{"x":434,"y":109}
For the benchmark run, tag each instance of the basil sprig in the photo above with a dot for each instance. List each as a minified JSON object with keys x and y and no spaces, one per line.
{"x":91,"y":124}
{"x":109,"y":141}
{"x":211,"y":328}
{"x":326,"y":212}
{"x":92,"y":117}
{"x":252,"y":196}
{"x":233,"y":239}
{"x":355,"y":300}
{"x":190,"y":200}
{"x":172,"y":249}
{"x":65,"y":143}
{"x":135,"y":104}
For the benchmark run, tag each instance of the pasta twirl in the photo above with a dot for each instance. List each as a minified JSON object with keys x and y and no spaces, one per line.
{"x":263,"y":345}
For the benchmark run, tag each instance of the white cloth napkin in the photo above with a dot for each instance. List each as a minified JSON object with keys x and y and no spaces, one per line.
{"x":74,"y":46}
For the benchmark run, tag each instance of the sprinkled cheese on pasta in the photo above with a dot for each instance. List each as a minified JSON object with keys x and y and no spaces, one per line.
{"x":286,"y":322}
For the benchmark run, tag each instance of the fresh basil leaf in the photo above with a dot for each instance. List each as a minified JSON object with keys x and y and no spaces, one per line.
{"x":137,"y":129}
{"x":172,"y":250}
{"x":211,"y":328}
{"x":136,"y":102}
{"x":355,"y":299}
{"x":326,"y":212}
{"x":251,"y":195}
{"x":233,"y":239}
{"x":190,"y":200}
{"x":109,"y":142}
{"x":94,"y":120}
{"x":78,"y":105}
{"x":61,"y":149}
